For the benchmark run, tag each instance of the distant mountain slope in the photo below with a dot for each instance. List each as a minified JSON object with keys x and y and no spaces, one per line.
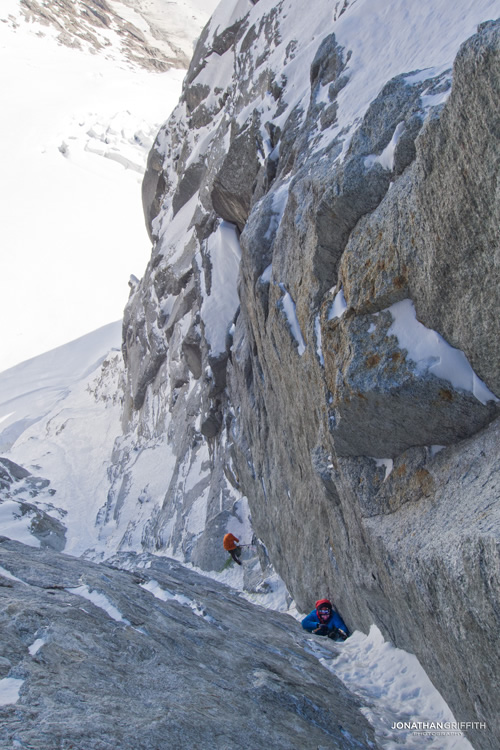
{"x":61,"y":412}
{"x":154,"y":34}
{"x":83,"y":94}
{"x":31,"y":389}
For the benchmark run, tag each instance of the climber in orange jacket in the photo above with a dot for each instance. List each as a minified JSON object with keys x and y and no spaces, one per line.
{"x":229,"y":543}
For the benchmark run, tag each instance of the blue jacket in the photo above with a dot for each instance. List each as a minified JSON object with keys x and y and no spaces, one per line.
{"x":311,"y":622}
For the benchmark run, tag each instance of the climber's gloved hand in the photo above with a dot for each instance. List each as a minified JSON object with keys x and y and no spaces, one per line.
{"x":321,"y":630}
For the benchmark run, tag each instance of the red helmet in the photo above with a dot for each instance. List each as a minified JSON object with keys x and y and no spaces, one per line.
{"x":323,"y":603}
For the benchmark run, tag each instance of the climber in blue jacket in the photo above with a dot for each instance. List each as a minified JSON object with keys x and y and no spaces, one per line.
{"x":324,"y":620}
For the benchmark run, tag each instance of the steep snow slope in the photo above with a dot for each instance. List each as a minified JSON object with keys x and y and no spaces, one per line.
{"x":31,"y":389}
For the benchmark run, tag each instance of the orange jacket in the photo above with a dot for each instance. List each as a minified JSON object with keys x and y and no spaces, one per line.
{"x":229,"y":542}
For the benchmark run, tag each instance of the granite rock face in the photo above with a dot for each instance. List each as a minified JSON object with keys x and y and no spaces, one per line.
{"x":314,"y":437}
{"x":312,"y":402}
{"x":143,"y":658}
{"x":379,"y":391}
{"x":435,"y":237}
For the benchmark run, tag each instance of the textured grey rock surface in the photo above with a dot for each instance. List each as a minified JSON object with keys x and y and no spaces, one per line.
{"x":203,"y":668}
{"x":435,"y":238}
{"x":367,"y":539}
{"x":381,"y":403}
{"x":298,"y":420}
{"x":336,"y":432}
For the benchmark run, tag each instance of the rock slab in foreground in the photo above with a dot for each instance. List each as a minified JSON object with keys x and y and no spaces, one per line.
{"x":205,"y":666}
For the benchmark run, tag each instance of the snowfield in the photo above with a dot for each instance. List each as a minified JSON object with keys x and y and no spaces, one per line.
{"x":76,"y":129}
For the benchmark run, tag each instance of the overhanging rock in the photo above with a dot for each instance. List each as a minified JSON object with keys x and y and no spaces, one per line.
{"x":383,"y":403}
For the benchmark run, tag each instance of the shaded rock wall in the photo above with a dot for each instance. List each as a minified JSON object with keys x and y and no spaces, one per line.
{"x":318,"y":432}
{"x":369,"y":466}
{"x":176,"y":341}
{"x":399,"y":547}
